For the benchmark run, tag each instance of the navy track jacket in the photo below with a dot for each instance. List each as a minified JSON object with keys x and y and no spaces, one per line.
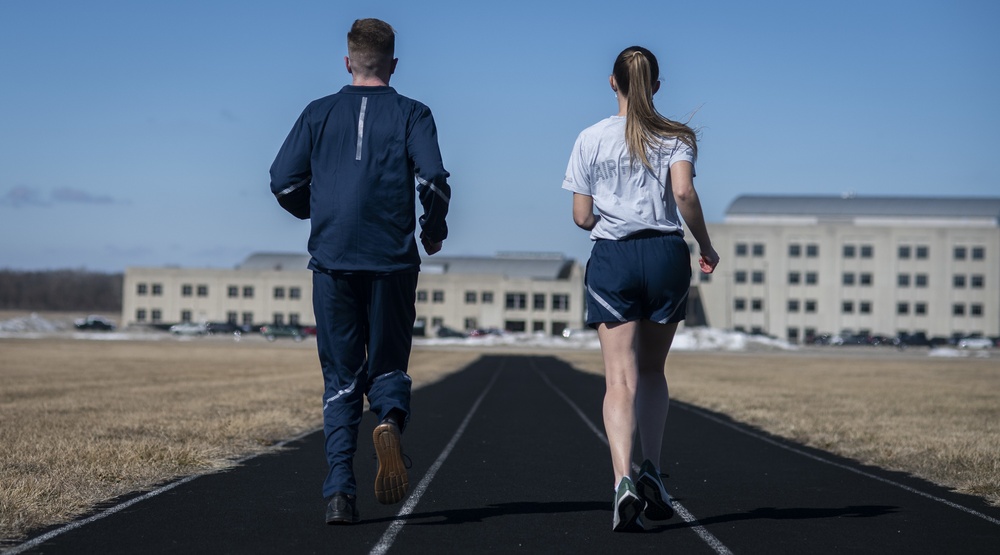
{"x":350,"y":164}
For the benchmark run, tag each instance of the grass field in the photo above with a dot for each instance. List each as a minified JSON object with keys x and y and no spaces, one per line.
{"x":87,"y":421}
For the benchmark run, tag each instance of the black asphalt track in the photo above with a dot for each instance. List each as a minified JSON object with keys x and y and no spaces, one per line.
{"x":508,"y":456}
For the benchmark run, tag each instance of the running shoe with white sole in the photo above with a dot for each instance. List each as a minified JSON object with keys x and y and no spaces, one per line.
{"x":391,"y":480}
{"x":650,"y":488}
{"x":627,"y":508}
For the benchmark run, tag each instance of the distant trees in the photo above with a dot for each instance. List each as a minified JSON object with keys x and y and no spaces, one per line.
{"x":60,"y":290}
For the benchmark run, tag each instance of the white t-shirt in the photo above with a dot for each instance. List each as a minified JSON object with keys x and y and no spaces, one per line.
{"x":628,"y":198}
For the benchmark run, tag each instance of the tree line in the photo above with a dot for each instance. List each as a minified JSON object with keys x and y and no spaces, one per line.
{"x":60,"y":290}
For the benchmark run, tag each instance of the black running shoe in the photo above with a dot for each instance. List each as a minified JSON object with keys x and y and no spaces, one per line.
{"x":651,"y":490}
{"x":342,"y":509}
{"x":627,"y":508}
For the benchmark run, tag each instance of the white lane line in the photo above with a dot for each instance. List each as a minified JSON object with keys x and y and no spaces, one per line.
{"x":35,"y":542}
{"x":390,"y":534}
{"x":951,"y":504}
{"x":704,"y":534}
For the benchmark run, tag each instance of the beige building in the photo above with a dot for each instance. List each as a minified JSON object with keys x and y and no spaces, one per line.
{"x":799,"y":266}
{"x":515,"y":292}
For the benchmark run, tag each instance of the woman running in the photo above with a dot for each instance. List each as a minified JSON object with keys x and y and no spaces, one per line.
{"x":637,"y":168}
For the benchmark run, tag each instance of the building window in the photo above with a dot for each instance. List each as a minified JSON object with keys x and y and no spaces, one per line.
{"x":559,"y":327}
{"x":847,"y":279}
{"x":140,"y":289}
{"x":470,"y":323}
{"x":516,"y":301}
{"x":904,"y":252}
{"x":812,"y":251}
{"x":812,"y":278}
{"x":958,"y":281}
{"x":293,"y":318}
{"x":758,"y":277}
{"x":202,"y":290}
{"x":978,"y":253}
{"x":920,"y":280}
{"x":793,"y":305}
{"x":741,"y":249}
{"x":247,"y":318}
{"x":958,"y":309}
{"x":757,"y":305}
{"x":903,"y":280}
{"x":232,"y":291}
{"x":157,"y":289}
{"x":294,"y":292}
{"x":976,"y":281}
{"x":865,"y":279}
{"x":758,"y":249}
{"x":920,"y":309}
{"x":922,"y":252}
{"x":186,"y":290}
{"x":140,"y":315}
{"x":437,"y":296}
{"x":849,"y":251}
{"x":487,"y":297}
{"x":157,"y":315}
{"x":514,"y":325}
{"x":794,"y":278}
{"x":538,"y":301}
{"x":810,"y":306}
{"x":248,"y":291}
{"x":739,"y":305}
{"x":847,"y":307}
{"x":421,"y":296}
{"x":231,"y":317}
{"x":278,"y":319}
{"x":470,"y":297}
{"x":794,"y":250}
{"x":537,"y":326}
{"x":793,"y":335}
{"x":960,"y":253}
{"x":705,"y":278}
{"x":560,"y":301}
{"x":185,"y":316}
{"x":867,"y":251}
{"x":865,"y":307}
{"x":740,"y":276}
{"x":437,"y":322}
{"x":279,"y":292}
{"x":976,"y":310}
{"x":902,"y":309}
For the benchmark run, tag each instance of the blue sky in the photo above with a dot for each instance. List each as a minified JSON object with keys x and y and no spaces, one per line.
{"x":140,"y":133}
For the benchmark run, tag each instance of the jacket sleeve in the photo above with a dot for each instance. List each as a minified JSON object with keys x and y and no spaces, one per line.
{"x":291,"y":172}
{"x":432,"y":179}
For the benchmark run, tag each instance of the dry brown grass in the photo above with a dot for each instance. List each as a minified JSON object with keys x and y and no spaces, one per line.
{"x":937,"y":418}
{"x":85,"y":421}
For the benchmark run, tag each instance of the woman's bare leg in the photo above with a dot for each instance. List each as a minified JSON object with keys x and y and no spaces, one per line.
{"x":618,"y":347}
{"x":652,"y":394}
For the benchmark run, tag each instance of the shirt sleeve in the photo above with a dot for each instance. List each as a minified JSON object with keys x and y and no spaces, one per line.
{"x":432,"y":179}
{"x":577,"y":178}
{"x":682,"y":153}
{"x":291,"y":172}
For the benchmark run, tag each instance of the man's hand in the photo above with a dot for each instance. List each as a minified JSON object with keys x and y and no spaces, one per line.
{"x":429,"y":247}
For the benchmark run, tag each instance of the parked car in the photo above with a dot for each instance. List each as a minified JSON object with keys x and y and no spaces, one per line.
{"x":223,"y":328}
{"x":444,"y":331}
{"x":918,"y":339}
{"x":975,"y":343}
{"x":92,"y":322}
{"x":272,"y":332}
{"x":189,"y":328}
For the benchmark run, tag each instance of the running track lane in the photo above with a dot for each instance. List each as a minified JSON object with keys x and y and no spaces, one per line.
{"x":510,"y":454}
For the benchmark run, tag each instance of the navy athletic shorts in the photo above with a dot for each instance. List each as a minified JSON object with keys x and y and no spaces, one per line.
{"x":645,"y":276}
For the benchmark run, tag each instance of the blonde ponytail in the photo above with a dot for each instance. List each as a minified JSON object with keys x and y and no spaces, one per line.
{"x":635,"y":72}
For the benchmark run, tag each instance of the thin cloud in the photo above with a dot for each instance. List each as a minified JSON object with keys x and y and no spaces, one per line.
{"x":22,"y":196}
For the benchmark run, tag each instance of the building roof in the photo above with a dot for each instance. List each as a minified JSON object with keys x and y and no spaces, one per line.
{"x":521,"y":265}
{"x":852,"y":206}
{"x":525,"y":265}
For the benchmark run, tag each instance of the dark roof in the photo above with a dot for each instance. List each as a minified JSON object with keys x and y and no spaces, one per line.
{"x":849,"y":206}
{"x":529,"y":265}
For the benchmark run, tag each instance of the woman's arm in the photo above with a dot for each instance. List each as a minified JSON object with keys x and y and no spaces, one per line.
{"x":682,"y":183}
{"x":583,"y":211}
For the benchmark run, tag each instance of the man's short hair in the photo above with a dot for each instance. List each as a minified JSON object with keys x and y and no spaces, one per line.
{"x":371,"y":45}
